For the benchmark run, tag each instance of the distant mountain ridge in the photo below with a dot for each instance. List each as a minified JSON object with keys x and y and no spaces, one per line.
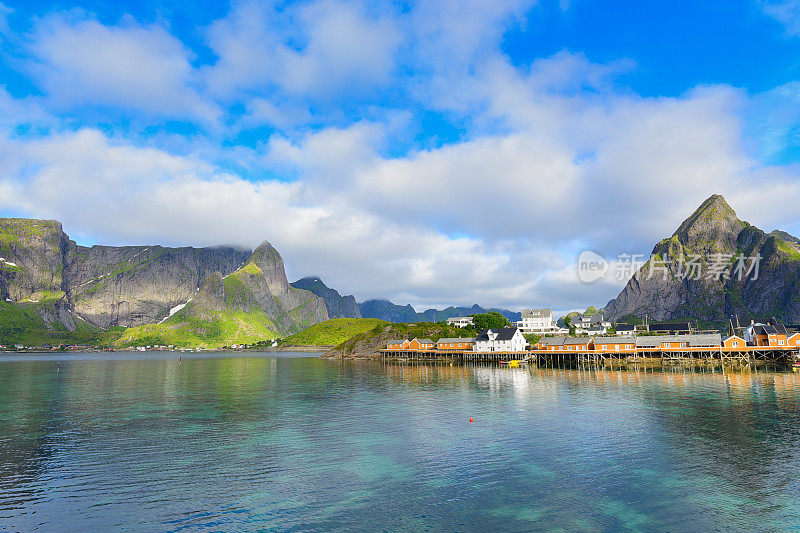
{"x":391,"y":312}
{"x":338,"y":306}
{"x":346,"y":307}
{"x":714,"y":230}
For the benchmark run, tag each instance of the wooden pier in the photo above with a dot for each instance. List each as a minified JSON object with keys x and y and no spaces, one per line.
{"x":742,"y":355}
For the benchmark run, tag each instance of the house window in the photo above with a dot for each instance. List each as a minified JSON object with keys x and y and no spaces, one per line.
{"x":603,"y":347}
{"x":781,"y":343}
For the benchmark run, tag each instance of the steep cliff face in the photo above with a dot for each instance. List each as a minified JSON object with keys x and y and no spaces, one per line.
{"x":338,"y":306}
{"x":712,"y":238}
{"x":32,"y":269}
{"x":70,"y":287}
{"x":135,"y":285}
{"x":251,"y":304}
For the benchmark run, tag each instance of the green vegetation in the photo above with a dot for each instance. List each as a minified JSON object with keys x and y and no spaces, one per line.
{"x":490,"y":320}
{"x":568,"y":325}
{"x":532,"y":338}
{"x":22,"y":324}
{"x":251,"y":268}
{"x":332,"y":332}
{"x":215,"y":329}
{"x":590,"y":311}
{"x":376,"y":338}
{"x":788,"y":248}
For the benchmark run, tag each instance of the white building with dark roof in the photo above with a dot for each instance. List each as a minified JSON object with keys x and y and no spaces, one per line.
{"x":500,"y":340}
{"x":460,"y":321}
{"x":536,"y":321}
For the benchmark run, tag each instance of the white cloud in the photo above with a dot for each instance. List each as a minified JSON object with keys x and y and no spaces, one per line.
{"x":130,"y":66}
{"x":787,"y":12}
{"x":320,"y":49}
{"x":143,"y":195}
{"x":554,"y":157}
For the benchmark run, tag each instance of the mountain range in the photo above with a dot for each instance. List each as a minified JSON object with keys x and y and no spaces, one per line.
{"x":346,"y":307}
{"x":223,"y":294}
{"x":186,"y":296}
{"x":216,"y":296}
{"x":743,"y":272}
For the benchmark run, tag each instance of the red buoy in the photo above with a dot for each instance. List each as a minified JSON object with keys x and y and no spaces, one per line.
{"x":470,"y":421}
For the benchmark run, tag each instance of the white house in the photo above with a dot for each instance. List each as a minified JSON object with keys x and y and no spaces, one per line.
{"x":500,"y":340}
{"x":460,"y":321}
{"x":536,"y":321}
{"x":590,"y":325}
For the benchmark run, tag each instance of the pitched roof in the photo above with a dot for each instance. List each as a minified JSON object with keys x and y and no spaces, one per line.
{"x":424,"y":341}
{"x":765,"y":329}
{"x":455,"y":340}
{"x":705,"y":339}
{"x":537,"y":313}
{"x":503,"y":334}
{"x":577,"y":340}
{"x":552,"y":341}
{"x":396,"y":341}
{"x":698,"y":340}
{"x":612,"y":340}
{"x":624,"y":327}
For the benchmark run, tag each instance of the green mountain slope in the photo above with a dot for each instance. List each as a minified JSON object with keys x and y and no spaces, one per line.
{"x":368,"y":343}
{"x":332,"y":332}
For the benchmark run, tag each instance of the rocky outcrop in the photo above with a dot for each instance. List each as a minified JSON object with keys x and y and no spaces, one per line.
{"x":249,"y":305}
{"x":104,"y":286}
{"x":135,"y":285}
{"x":338,"y":306}
{"x":712,"y":238}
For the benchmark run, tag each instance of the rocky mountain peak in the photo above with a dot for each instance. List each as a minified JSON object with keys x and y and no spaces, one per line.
{"x":338,"y":306}
{"x":713,"y":227}
{"x":716,"y":292}
{"x":267,"y":258}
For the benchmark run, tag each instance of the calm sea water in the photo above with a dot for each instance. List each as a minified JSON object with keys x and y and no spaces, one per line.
{"x":241,"y":443}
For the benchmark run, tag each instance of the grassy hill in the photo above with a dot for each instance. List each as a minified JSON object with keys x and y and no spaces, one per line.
{"x":332,"y":332}
{"x":224,"y":328}
{"x":21,"y":323}
{"x":368,"y":343}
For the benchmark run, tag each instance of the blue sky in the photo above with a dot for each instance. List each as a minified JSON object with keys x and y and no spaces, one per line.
{"x":434,"y":153}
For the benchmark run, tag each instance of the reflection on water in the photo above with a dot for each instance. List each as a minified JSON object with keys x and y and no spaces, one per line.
{"x":281,"y":443}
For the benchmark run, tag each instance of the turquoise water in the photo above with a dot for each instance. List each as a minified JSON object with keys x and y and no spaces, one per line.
{"x":263,"y":443}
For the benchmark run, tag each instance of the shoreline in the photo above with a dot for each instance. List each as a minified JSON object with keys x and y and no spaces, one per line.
{"x":289,"y":349}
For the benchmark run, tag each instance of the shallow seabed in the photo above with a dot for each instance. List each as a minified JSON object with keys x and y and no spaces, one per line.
{"x":128,"y":442}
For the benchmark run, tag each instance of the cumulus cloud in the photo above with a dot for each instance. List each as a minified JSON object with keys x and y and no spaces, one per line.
{"x":319,"y":49}
{"x":552,"y":157}
{"x":162,"y":198}
{"x":83,"y":62}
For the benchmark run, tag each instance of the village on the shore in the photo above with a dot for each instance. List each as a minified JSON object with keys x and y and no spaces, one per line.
{"x":590,"y":337}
